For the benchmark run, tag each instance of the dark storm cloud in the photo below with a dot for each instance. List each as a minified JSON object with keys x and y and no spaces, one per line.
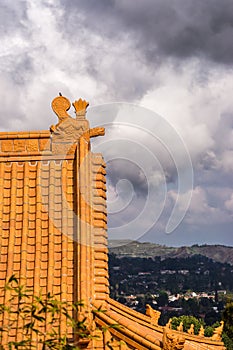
{"x":119,"y":169}
{"x":161,"y":28}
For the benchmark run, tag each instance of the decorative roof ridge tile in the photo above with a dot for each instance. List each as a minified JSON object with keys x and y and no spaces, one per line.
{"x":130,"y":331}
{"x":115,"y":308}
{"x":24,"y":134}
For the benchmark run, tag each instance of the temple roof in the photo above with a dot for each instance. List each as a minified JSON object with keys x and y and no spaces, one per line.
{"x":53,"y":230}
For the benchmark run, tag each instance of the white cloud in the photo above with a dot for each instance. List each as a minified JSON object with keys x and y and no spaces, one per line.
{"x":200,"y":210}
{"x":192,"y":107}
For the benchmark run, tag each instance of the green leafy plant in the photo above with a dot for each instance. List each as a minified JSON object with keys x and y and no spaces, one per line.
{"x":36,"y":317}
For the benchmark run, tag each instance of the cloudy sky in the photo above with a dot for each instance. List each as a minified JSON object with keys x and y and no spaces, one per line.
{"x":159,"y":75}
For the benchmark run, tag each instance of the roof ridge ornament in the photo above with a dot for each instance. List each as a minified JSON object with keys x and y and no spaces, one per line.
{"x":80,"y":107}
{"x":60,"y":106}
{"x":68,"y":130}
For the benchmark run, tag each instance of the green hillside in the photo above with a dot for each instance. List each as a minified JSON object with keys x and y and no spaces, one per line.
{"x":128,"y":248}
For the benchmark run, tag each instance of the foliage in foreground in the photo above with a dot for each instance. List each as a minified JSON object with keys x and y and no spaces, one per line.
{"x":36,"y":317}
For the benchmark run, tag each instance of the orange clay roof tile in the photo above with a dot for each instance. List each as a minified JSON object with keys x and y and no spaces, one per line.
{"x":37,"y":219}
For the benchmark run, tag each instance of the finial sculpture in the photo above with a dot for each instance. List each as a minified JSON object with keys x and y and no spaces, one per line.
{"x":80,"y":108}
{"x":218,"y":332}
{"x":169,"y":324}
{"x":191,"y":329}
{"x":180,"y":328}
{"x":172,"y":341}
{"x":153,"y":314}
{"x":201,"y":332}
{"x":60,"y":106}
{"x":69,"y":129}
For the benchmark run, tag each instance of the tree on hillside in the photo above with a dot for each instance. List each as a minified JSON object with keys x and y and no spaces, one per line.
{"x":227,"y":317}
{"x":162,"y":299}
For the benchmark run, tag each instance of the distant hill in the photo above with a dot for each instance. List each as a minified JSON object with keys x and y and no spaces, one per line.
{"x":128,"y":248}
